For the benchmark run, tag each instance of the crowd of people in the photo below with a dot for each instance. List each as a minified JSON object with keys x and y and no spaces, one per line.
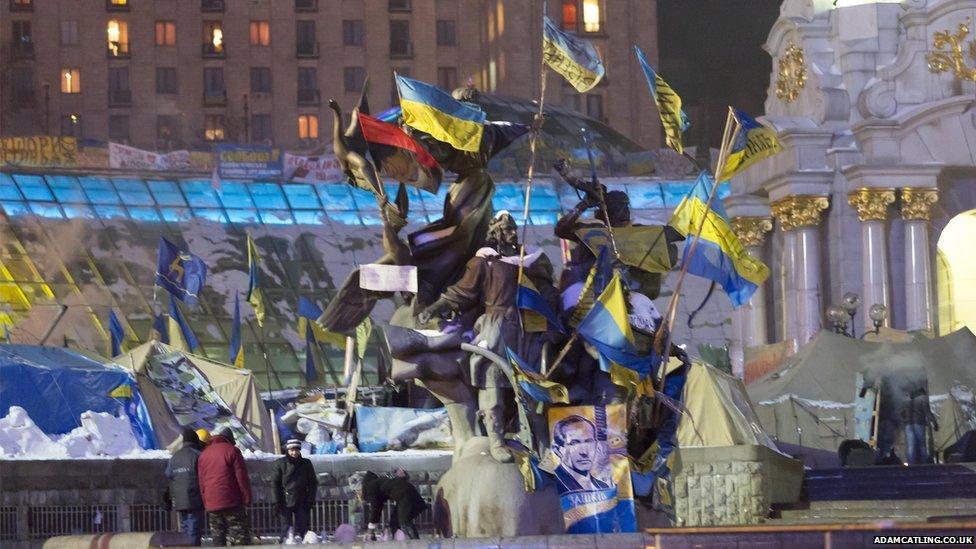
{"x":208,"y":477}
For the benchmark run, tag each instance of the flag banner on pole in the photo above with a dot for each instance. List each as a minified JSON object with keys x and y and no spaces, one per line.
{"x":674,"y":120}
{"x":753,"y":142}
{"x":574,"y":58}
{"x":254,"y":295}
{"x":534,"y":384}
{"x":644,"y":247}
{"x":432,"y":110}
{"x":236,"y":344}
{"x":308,"y":313}
{"x":160,"y":329}
{"x":607,"y":328}
{"x":188,"y":340}
{"x":400,"y":156}
{"x":530,"y":300}
{"x":311,"y":374}
{"x":719,"y":255}
{"x":180,"y":273}
{"x":116,"y":332}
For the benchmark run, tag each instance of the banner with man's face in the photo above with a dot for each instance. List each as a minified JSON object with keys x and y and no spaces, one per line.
{"x":593,"y":473}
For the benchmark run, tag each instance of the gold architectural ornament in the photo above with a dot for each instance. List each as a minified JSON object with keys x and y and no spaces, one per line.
{"x":799,"y":211}
{"x":751,"y":230}
{"x":916,"y":204}
{"x":953,"y":58}
{"x":871,"y":204}
{"x":792,"y":73}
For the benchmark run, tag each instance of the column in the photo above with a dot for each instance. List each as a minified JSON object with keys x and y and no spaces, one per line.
{"x":916,"y":205}
{"x":749,"y":321}
{"x":799,"y":216}
{"x":872,"y":209}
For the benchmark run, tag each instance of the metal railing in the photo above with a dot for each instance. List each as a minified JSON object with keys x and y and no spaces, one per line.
{"x":307,"y":49}
{"x":309,"y":97}
{"x":401,"y":49}
{"x":56,"y":520}
{"x":210,"y":50}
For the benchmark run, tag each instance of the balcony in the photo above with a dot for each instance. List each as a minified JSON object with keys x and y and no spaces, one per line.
{"x":309,"y":98}
{"x":116,"y":5}
{"x":118,"y":50}
{"x":22,"y":50}
{"x":215,"y":52}
{"x":119,"y":98}
{"x":401,"y":50}
{"x":399,"y":5}
{"x":307,"y":49}
{"x":21,"y":5}
{"x":306,"y":6}
{"x":215,"y":98}
{"x":212,"y":6}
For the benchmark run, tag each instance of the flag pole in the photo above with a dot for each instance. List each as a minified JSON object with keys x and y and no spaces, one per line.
{"x":731,"y":131}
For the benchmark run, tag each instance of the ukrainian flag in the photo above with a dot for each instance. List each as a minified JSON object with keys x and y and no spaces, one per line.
{"x":180,"y":334}
{"x":532,"y":303}
{"x":753,"y":143}
{"x":576,"y":59}
{"x":431,"y":110}
{"x":236,"y":345}
{"x":607,"y":328}
{"x":535,"y":384}
{"x":254,"y":296}
{"x":674,"y":120}
{"x":719,"y":255}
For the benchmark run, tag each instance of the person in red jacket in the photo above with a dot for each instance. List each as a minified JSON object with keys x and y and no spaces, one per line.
{"x":226,"y":490}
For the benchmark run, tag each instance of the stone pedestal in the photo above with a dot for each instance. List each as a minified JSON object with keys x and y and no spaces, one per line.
{"x":915,"y":207}
{"x":872,"y":209}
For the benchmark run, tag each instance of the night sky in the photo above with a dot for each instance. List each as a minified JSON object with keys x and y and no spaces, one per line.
{"x":711,"y":54}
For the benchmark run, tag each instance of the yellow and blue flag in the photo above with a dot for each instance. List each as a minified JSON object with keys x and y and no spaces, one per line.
{"x":753,"y":143}
{"x":574,"y":58}
{"x":254,"y":295}
{"x":311,"y":374}
{"x":236,"y":344}
{"x":160,"y":330}
{"x":531,"y":301}
{"x":308,"y":313}
{"x":187,"y":341}
{"x":719,"y":255}
{"x":432,"y":110}
{"x":674,"y":120}
{"x":116,"y":332}
{"x":607,"y":328}
{"x":180,"y":273}
{"x":535,"y":384}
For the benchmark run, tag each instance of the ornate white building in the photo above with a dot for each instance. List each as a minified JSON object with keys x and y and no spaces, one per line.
{"x":875,"y":189}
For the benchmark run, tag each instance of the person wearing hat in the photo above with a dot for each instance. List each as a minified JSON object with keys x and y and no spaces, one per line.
{"x":408,"y":504}
{"x":204,"y":436}
{"x":294,"y":488}
{"x":226,"y":490}
{"x":184,"y":485}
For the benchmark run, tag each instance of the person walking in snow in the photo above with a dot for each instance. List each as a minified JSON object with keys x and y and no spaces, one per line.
{"x":226,"y":490}
{"x":294,"y":488}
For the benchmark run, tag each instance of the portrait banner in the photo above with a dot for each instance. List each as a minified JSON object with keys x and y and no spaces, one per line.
{"x":39,"y":150}
{"x":593,"y":472}
{"x":248,"y":162}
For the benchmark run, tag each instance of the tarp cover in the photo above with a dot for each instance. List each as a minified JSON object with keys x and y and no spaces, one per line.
{"x":808,"y":401}
{"x":55,"y":385}
{"x":387,"y":428}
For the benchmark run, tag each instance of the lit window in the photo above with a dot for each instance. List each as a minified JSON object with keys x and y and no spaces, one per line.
{"x":214,"y":127}
{"x":308,"y":126}
{"x":117,"y":33}
{"x":70,"y":81}
{"x":119,"y":2}
{"x":569,"y":15}
{"x":260,"y":33}
{"x":213,"y":37}
{"x":591,"y":16}
{"x":165,"y":33}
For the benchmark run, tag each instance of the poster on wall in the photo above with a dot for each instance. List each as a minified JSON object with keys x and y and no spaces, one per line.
{"x":593,"y":472}
{"x":248,"y":162}
{"x":39,"y":150}
{"x":191,"y":398}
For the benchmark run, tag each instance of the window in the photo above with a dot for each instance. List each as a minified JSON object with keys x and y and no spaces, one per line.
{"x":447,"y":78}
{"x":308,"y":86}
{"x":21,"y":5}
{"x":570,"y":15}
{"x":168,"y":131}
{"x":166,"y":80}
{"x":261,"y":128}
{"x":352,"y":32}
{"x":165,"y":33}
{"x":306,"y":46}
{"x":118,"y":86}
{"x":118,"y":128}
{"x":22,"y":82}
{"x":70,"y":81}
{"x":117,"y":5}
{"x":213,"y":38}
{"x":71,"y":125}
{"x":23,"y":44}
{"x":261,"y":79}
{"x":306,"y":5}
{"x":214,"y":127}
{"x":354,"y":78}
{"x":69,"y":33}
{"x":446,"y":33}
{"x":399,"y":5}
{"x":117,"y":33}
{"x":213,"y":84}
{"x":594,"y":106}
{"x":260,"y":33}
{"x":591,"y":16}
{"x":400,"y":39}
{"x":308,"y":126}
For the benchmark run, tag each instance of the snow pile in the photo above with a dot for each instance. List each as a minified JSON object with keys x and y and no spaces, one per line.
{"x":100,"y":435}
{"x":20,"y":435}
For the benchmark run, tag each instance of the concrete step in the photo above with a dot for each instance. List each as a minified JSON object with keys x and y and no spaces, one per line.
{"x":894,"y":482}
{"x":872,"y":510}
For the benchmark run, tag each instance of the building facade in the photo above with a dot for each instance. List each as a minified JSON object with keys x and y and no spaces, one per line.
{"x":874,"y":191}
{"x":168,"y":74}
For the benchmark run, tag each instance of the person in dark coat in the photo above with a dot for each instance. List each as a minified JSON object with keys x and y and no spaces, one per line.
{"x":184,"y":487}
{"x":226,"y":490}
{"x":294,"y":487}
{"x":408,"y":504}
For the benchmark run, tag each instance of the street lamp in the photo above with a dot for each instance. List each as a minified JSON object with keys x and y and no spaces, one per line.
{"x":849,"y":303}
{"x":838,"y":319}
{"x":878,"y":313}
{"x":841,"y":316}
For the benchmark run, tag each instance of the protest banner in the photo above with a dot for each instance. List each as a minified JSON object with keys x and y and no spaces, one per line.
{"x":312,"y":169}
{"x":388,"y":278}
{"x":386,"y":428}
{"x":126,"y":157}
{"x":248,"y":162}
{"x":39,"y":150}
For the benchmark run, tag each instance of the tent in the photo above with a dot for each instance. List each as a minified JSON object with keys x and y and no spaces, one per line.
{"x":55,"y":385}
{"x":809,"y":401}
{"x":181,"y":389}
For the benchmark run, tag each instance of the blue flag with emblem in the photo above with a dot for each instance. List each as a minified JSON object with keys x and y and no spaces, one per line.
{"x":607,"y":328}
{"x":236,"y":344}
{"x":180,"y":273}
{"x":116,"y":332}
{"x":176,"y":316}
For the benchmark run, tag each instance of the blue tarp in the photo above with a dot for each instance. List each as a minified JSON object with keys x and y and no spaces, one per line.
{"x":55,"y":386}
